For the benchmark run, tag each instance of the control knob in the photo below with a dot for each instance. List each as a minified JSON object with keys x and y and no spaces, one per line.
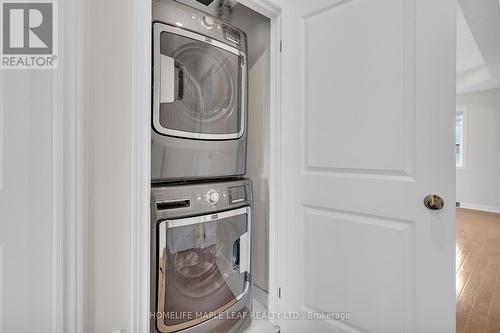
{"x":208,"y":22}
{"x":212,"y":197}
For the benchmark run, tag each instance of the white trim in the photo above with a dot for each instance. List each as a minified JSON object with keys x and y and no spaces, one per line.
{"x":141,"y":150}
{"x":483,"y":208}
{"x":261,"y":296}
{"x":77,"y":302}
{"x":2,"y":99}
{"x":141,"y":168}
{"x":58,"y":202}
{"x":1,"y":290}
{"x":70,"y":193}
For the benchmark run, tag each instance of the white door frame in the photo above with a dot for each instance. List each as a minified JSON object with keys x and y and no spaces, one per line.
{"x":141,"y":144}
{"x":70,"y":171}
{"x":141,"y":171}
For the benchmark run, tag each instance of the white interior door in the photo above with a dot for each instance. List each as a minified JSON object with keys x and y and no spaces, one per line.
{"x":367,"y":133}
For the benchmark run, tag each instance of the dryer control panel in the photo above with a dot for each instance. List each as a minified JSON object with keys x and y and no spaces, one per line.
{"x":188,"y":18}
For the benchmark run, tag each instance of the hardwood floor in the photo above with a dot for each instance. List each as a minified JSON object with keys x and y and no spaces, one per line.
{"x":478,"y":272}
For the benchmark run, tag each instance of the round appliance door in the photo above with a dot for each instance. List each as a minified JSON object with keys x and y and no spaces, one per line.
{"x":203,"y":266}
{"x":204,"y":83}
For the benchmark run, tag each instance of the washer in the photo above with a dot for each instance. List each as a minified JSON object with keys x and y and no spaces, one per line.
{"x":199,"y":95}
{"x":201,"y":248}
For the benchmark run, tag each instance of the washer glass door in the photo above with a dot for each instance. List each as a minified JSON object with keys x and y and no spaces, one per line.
{"x":207,"y":87}
{"x":203,"y":266}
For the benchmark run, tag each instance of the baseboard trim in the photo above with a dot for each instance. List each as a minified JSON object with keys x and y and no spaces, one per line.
{"x":261,"y":296}
{"x":484,"y":208}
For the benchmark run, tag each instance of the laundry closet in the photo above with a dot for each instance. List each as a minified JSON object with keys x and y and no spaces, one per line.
{"x":210,"y":141}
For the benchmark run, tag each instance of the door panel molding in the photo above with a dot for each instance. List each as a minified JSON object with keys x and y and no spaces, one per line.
{"x":398,"y":144}
{"x":354,"y":273}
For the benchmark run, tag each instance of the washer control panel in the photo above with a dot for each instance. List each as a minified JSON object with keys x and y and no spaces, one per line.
{"x":212,"y":197}
{"x":197,"y":199}
{"x":207,"y":22}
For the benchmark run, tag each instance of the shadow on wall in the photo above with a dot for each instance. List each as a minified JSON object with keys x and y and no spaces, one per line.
{"x":258,"y":28}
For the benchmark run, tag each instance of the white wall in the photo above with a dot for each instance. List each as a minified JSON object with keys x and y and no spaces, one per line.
{"x":479,"y":182}
{"x":26,"y":99}
{"x":110,"y":165}
{"x":257,"y":28}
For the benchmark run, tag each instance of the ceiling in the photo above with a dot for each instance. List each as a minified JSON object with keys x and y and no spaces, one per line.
{"x":478,"y":45}
{"x":468,"y":54}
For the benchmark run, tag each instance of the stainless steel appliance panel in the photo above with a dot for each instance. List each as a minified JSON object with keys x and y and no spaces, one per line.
{"x":201,"y":257}
{"x":199,"y":95}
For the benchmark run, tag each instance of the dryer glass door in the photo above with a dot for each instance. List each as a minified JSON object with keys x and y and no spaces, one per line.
{"x":203,"y":83}
{"x":203,"y":267}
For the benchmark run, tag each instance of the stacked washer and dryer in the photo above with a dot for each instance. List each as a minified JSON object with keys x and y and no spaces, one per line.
{"x":200,"y":202}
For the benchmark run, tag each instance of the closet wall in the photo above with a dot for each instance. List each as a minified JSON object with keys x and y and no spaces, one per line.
{"x":257,"y":28}
{"x":110,"y":182}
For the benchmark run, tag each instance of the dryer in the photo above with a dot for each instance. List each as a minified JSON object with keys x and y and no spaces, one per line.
{"x":201,"y":257}
{"x":199,"y":95}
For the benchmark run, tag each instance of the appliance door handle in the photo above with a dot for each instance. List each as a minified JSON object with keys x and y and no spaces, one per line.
{"x":175,"y":223}
{"x":168,"y":66}
{"x":181,"y":83}
{"x":167,"y":79}
{"x":244,"y":262}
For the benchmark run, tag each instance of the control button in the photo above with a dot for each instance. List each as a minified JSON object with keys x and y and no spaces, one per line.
{"x":208,"y":22}
{"x":212,"y":197}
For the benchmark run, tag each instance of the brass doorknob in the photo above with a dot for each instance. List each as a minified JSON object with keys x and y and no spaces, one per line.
{"x":433,"y":202}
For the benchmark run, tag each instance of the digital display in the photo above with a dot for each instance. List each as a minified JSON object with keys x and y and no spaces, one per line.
{"x":237,"y":194}
{"x":205,"y":2}
{"x":232,"y":35}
